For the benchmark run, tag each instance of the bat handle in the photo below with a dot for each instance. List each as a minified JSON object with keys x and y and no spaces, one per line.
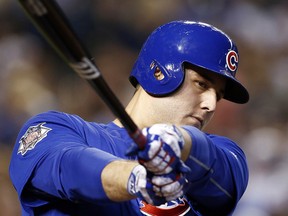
{"x":138,"y":138}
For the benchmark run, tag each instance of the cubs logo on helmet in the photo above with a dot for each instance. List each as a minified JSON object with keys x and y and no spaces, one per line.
{"x":232,"y":60}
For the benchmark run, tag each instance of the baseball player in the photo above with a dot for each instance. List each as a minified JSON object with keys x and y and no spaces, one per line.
{"x":64,"y":165}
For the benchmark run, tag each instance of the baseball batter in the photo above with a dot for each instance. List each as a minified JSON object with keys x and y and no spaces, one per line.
{"x":64,"y":165}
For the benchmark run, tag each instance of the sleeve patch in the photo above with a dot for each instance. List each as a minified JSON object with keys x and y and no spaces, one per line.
{"x":32,"y":136}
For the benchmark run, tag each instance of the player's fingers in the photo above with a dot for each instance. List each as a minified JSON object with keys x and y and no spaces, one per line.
{"x":172,"y":189}
{"x":158,"y":165}
{"x":162,"y":180}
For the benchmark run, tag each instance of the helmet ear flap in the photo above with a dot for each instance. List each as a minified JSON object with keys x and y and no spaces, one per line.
{"x":159,"y":72}
{"x":156,"y":76}
{"x":162,"y":79}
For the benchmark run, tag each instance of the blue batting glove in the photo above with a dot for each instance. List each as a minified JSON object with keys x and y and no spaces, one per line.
{"x":162,"y":151}
{"x":156,"y":189}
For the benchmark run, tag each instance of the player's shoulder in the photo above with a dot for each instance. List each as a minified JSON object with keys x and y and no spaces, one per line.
{"x":54,"y":116}
{"x":60,"y":121}
{"x":200,"y":136}
{"x":225,"y":142}
{"x":219,"y":138}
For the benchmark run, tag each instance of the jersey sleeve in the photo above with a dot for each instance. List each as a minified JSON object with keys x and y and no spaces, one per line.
{"x":53,"y":155}
{"x":219,"y":174}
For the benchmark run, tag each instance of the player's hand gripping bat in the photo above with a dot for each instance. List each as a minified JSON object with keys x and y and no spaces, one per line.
{"x":51,"y":21}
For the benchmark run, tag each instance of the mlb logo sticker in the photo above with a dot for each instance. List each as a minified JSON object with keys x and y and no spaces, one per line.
{"x":32,"y":136}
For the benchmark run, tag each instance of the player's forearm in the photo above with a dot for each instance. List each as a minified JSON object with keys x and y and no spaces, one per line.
{"x":114,"y":179}
{"x":81,"y":173}
{"x":101,"y":175}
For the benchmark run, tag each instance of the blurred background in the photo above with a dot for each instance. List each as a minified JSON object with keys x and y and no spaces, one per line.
{"x":34,"y":79}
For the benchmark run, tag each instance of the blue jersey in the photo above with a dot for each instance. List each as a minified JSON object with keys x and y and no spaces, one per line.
{"x":58,"y":158}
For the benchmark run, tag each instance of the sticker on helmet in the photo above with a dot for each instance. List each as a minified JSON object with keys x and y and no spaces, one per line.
{"x":32,"y":136}
{"x":232,"y":60}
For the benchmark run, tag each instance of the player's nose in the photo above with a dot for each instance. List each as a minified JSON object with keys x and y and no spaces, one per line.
{"x":209,"y":101}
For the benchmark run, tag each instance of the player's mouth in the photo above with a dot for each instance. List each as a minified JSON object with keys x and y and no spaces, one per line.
{"x":198,"y":121}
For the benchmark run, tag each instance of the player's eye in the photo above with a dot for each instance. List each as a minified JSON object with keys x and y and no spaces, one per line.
{"x":201,"y":84}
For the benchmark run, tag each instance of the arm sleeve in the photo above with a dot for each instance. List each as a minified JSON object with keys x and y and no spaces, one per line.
{"x":219,"y":174}
{"x":73,"y":173}
{"x":66,"y":163}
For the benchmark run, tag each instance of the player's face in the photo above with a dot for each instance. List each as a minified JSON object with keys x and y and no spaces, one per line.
{"x":195,"y":102}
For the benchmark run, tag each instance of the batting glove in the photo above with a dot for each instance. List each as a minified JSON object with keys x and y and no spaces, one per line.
{"x":162,"y":151}
{"x":156,"y":189}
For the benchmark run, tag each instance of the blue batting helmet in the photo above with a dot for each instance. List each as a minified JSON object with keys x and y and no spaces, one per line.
{"x":178,"y":42}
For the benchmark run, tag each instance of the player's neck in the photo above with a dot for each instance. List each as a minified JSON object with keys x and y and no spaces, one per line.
{"x":134,"y":110}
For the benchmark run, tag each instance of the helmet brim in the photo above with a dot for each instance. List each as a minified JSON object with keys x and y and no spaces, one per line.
{"x":236,"y":92}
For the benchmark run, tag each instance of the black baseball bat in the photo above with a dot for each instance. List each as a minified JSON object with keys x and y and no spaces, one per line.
{"x":51,"y":21}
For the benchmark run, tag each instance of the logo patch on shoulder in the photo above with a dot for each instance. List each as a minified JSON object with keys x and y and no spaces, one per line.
{"x":32,"y":136}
